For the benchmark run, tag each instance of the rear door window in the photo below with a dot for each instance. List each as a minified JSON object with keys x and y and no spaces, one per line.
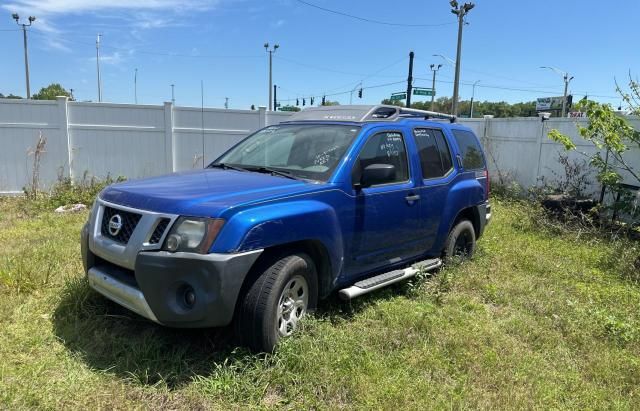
{"x":435,"y":157}
{"x":470,"y":150}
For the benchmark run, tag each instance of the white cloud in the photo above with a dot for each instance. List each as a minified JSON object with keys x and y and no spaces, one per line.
{"x":84,"y":6}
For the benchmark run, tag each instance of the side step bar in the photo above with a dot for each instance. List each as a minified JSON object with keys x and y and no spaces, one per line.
{"x":382,"y":280}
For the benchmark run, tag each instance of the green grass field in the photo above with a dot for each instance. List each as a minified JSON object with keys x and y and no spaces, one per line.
{"x":541,"y":318}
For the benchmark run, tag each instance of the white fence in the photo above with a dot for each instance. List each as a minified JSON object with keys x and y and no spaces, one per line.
{"x":102,"y":139}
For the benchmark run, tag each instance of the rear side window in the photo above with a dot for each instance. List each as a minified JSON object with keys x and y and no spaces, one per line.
{"x":470,"y":150}
{"x":435,"y":156}
{"x":384,"y":148}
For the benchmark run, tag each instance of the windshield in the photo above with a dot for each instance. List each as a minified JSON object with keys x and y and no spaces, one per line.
{"x":310,"y":151}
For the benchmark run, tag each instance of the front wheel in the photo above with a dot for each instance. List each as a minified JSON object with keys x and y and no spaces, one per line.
{"x":461,"y":242}
{"x":276,"y":302}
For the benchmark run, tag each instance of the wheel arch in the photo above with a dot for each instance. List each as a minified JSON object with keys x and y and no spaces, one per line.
{"x":315,"y":249}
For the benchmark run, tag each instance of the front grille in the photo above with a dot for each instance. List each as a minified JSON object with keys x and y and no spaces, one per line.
{"x":159,"y":231}
{"x":129,"y":222}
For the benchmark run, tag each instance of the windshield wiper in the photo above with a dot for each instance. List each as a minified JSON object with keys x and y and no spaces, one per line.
{"x":225,"y":166}
{"x":276,"y":172}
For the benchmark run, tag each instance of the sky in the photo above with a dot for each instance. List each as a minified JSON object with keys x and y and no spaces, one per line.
{"x":221,"y":43}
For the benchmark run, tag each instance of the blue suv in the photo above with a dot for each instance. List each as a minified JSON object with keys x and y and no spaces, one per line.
{"x":343,"y":198}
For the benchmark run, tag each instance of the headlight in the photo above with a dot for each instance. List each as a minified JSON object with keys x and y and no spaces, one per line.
{"x":193,"y":234}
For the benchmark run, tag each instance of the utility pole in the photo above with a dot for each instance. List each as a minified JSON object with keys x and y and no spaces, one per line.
{"x":473,"y":93}
{"x":173,"y":94}
{"x":31,"y":19}
{"x":273,"y":50}
{"x":98,"y":67}
{"x":461,"y":12}
{"x":434,"y":68}
{"x":567,"y":80}
{"x":135,"y":86}
{"x":410,"y":79}
{"x":275,"y":98}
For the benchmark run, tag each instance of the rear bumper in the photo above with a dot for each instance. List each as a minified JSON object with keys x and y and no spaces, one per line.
{"x":484,"y":210}
{"x":156,"y":288}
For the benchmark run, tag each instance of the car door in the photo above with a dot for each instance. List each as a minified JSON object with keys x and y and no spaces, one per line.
{"x":437,"y":174}
{"x":387,"y":214}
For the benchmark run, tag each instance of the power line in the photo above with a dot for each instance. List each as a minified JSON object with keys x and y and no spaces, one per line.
{"x":330,"y":70}
{"x":517,"y":89}
{"x":319,"y":95}
{"x":385,"y":23}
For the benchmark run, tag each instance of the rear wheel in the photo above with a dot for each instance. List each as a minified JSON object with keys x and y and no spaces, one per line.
{"x":461,"y":242}
{"x":276,"y":302}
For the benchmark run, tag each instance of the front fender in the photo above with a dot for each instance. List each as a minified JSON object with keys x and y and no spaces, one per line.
{"x":281,"y":223}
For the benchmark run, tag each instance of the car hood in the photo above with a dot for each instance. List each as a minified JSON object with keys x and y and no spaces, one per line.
{"x":203,"y":193}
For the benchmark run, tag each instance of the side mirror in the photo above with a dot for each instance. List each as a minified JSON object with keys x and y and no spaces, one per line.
{"x":377,"y":174}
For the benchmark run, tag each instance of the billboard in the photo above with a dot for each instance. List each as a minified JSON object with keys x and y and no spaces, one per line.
{"x":549,"y":103}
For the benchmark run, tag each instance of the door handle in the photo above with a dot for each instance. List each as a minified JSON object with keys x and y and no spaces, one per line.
{"x":412,"y":197}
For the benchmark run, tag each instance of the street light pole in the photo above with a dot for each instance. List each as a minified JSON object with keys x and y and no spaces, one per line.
{"x":135,"y":86}
{"x":473,"y":93}
{"x":273,"y":50}
{"x":434,"y":69}
{"x":98,"y":67}
{"x":31,"y":19}
{"x":352,"y":90}
{"x":461,"y":12}
{"x":567,"y":80}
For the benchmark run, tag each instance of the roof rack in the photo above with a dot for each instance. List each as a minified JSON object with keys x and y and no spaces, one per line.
{"x":357,"y":113}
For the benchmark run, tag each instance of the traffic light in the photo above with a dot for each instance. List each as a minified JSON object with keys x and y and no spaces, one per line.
{"x":311,"y":101}
{"x":360,"y":93}
{"x":569,"y":100}
{"x":304,"y":102}
{"x":297,"y":102}
{"x":324,"y":100}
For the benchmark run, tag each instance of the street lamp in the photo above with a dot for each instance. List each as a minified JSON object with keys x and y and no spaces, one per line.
{"x":461,"y":11}
{"x":98,"y":67}
{"x":31,"y":19}
{"x":567,"y":80}
{"x":446,"y":59}
{"x":473,"y":93}
{"x":434,"y":68}
{"x":273,"y":50}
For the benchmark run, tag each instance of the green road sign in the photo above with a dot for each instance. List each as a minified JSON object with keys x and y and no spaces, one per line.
{"x":287,"y":108}
{"x":398,"y":96}
{"x":417,"y":91}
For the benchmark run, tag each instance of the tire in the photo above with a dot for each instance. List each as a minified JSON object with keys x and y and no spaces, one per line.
{"x":461,"y":242}
{"x":274,"y":304}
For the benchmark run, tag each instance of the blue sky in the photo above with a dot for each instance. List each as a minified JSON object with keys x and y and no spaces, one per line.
{"x":221,"y":42}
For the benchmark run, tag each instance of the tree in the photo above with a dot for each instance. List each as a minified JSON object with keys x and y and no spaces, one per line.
{"x":330,"y":103}
{"x":612,"y":136}
{"x":50,"y":92}
{"x":480,"y":108}
{"x":10,"y":96}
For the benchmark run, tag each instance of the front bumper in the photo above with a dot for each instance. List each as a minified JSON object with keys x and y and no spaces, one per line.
{"x":156,"y":287}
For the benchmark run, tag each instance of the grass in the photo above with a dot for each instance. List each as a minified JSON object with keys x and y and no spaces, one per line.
{"x":543,"y":317}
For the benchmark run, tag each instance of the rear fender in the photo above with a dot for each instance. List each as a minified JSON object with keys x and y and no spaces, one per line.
{"x":463,"y":194}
